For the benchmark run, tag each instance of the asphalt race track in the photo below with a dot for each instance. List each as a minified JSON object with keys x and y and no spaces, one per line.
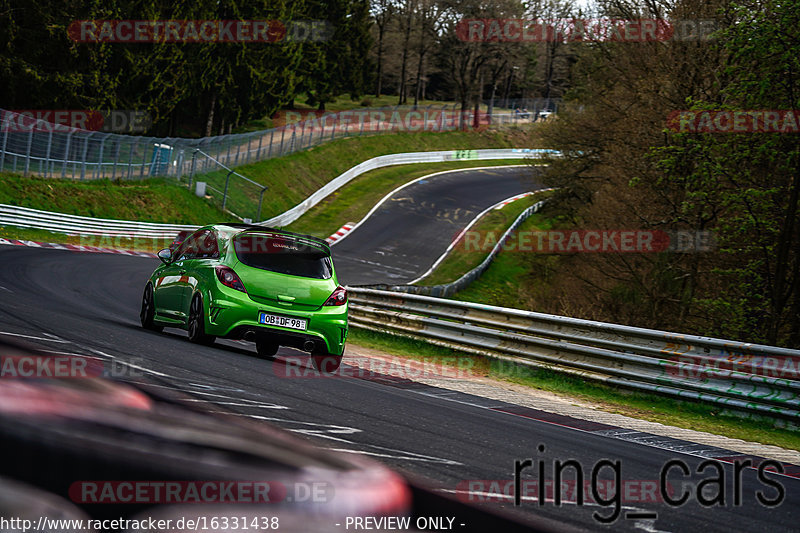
{"x":406,"y":234}
{"x":88,"y":304}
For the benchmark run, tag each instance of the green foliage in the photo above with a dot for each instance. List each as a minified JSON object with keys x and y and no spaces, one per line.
{"x":745,"y":186}
{"x":188,"y":88}
{"x":153,"y":200}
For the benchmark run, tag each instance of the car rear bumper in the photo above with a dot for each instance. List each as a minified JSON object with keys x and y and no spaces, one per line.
{"x":232,"y":314}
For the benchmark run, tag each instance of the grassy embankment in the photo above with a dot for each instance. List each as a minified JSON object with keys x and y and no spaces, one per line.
{"x":291,"y":179}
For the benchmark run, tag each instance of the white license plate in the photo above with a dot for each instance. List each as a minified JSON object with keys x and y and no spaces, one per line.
{"x":282,"y":321}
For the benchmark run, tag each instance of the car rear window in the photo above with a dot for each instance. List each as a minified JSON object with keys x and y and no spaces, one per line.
{"x":283,"y":254}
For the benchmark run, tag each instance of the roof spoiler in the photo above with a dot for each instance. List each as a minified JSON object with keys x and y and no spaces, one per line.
{"x":256,"y":227}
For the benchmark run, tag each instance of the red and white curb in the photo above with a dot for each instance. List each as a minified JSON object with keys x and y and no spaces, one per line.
{"x":341,"y":232}
{"x":74,"y":248}
{"x":98,"y":250}
{"x":504,"y":203}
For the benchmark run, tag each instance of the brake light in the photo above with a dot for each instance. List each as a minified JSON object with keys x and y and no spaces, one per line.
{"x":229,"y":278}
{"x":339,"y":297}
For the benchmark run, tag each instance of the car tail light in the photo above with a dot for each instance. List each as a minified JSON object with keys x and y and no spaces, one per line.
{"x":339,"y":297}
{"x":229,"y":278}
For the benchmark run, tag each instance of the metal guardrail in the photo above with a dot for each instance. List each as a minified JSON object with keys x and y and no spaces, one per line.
{"x":11,"y":215}
{"x":741,"y":376}
{"x":449,"y":289}
{"x":34,"y":146}
{"x":343,"y":179}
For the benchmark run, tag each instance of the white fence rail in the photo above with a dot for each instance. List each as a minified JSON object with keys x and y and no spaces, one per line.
{"x":72,"y":224}
{"x":401,"y":159}
{"x":748,"y":377}
{"x":11,"y":215}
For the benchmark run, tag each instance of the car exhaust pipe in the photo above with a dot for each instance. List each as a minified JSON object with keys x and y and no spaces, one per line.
{"x":250,"y":336}
{"x":309,"y":346}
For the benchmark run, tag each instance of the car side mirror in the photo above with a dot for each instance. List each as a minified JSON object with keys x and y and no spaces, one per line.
{"x":165,"y":255}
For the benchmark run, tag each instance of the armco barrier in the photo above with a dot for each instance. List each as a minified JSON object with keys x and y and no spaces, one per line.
{"x":402,"y":159}
{"x":448,"y":289}
{"x":11,"y":215}
{"x":747,"y":377}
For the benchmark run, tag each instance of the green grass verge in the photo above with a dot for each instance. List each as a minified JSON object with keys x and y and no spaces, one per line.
{"x":353,"y":201}
{"x":661,"y":409}
{"x":151,"y":200}
{"x":292,"y":178}
{"x":511,"y":278}
{"x":475,"y":247}
{"x":139,"y":244}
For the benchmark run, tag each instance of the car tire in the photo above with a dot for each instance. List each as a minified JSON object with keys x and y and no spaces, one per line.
{"x":148,"y":311}
{"x":266,"y":347}
{"x":326,"y":363}
{"x":196,"y":323}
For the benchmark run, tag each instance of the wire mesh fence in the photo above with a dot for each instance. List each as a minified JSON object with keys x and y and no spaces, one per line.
{"x":32,"y":146}
{"x":233,"y":192}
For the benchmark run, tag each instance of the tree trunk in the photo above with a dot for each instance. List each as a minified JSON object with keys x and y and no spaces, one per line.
{"x":780,"y":296}
{"x":210,"y":120}
{"x":491,"y":99}
{"x":404,"y":64}
{"x":418,"y":89}
{"x":476,"y":119}
{"x":378,"y":87}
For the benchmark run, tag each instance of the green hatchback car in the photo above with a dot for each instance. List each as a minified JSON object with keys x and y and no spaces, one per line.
{"x":240,"y":281}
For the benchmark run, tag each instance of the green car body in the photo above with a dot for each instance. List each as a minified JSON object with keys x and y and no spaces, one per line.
{"x":239,"y":281}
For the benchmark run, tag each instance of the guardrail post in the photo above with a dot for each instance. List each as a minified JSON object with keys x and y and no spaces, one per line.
{"x":225,"y":194}
{"x":28,"y":154}
{"x":47,"y":155}
{"x":5,"y":128}
{"x":191,"y":170}
{"x":130,"y":162}
{"x":117,"y":146}
{"x":177,"y":163}
{"x":100,"y":171}
{"x":271,"y":138}
{"x":283,"y":134}
{"x":85,"y":151}
{"x":302,"y":133}
{"x":144,"y":158}
{"x":260,"y":199}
